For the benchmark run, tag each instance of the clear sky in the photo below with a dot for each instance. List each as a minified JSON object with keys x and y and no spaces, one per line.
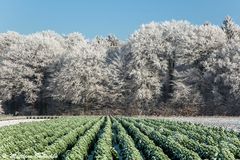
{"x":103,"y":17}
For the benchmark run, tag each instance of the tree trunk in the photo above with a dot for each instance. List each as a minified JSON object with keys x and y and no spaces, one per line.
{"x":167,"y":88}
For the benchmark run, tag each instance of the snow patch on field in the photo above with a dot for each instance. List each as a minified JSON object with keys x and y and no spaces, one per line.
{"x":17,"y":121}
{"x":230,"y":123}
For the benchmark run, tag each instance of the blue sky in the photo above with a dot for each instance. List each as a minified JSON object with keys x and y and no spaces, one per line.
{"x":103,"y":17}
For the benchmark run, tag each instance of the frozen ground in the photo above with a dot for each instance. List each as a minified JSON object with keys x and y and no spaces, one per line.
{"x":17,"y":121}
{"x":231,"y":123}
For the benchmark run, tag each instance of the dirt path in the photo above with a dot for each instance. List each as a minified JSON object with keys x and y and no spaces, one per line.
{"x":17,"y":121}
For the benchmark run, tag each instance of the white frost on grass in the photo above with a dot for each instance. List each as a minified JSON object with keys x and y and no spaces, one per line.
{"x":17,"y":121}
{"x":230,"y":123}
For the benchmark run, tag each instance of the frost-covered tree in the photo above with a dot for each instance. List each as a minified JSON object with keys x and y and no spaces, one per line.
{"x":159,"y":55}
{"x":115,"y":70}
{"x":14,"y":73}
{"x":180,"y":39}
{"x":147,"y":65}
{"x":231,"y":29}
{"x":23,"y":66}
{"x":209,"y":40}
{"x":82,"y":77}
{"x":223,"y":66}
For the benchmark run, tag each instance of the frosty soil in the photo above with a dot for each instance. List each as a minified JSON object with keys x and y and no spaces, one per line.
{"x":231,"y":123}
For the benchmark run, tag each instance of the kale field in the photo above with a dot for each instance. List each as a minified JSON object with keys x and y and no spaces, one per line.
{"x":106,"y":137}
